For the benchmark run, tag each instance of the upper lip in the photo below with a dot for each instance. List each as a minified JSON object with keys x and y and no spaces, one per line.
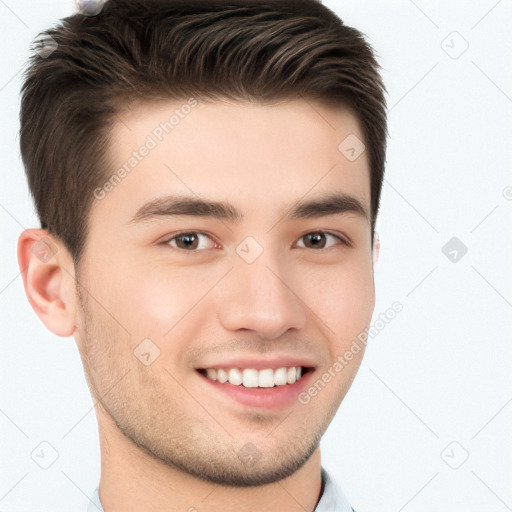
{"x":259,"y":363}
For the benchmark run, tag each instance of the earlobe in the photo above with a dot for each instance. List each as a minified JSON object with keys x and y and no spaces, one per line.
{"x":376,"y":249}
{"x":48,"y":273}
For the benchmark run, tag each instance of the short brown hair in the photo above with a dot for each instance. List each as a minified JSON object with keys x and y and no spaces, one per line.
{"x":255,"y":50}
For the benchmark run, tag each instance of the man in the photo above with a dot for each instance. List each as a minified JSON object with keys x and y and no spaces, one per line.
{"x":207,"y":175}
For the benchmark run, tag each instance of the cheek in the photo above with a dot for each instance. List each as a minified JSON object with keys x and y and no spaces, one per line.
{"x":152,"y":303}
{"x":342,"y":297}
{"x":156,"y":301}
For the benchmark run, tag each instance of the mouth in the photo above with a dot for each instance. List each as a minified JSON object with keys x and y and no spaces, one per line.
{"x":256,"y":378}
{"x":274,"y":381}
{"x":259,"y":388}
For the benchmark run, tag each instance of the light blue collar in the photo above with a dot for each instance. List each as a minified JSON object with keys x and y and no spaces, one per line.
{"x":332,"y":500}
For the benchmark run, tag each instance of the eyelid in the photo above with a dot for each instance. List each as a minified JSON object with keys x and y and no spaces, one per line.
{"x":343,"y":239}
{"x":167,"y":239}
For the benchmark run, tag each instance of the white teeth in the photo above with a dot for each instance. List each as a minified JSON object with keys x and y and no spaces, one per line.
{"x":222,"y":375}
{"x":266,"y":378}
{"x":280,"y":376}
{"x":235,"y":376}
{"x":250,"y":378}
{"x":253,"y":378}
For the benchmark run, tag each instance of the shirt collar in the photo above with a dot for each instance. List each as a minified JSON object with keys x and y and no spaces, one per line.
{"x":332,"y":500}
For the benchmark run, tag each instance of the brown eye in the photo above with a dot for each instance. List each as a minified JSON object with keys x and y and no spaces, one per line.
{"x":319,"y":239}
{"x":187,"y":241}
{"x":190,"y":241}
{"x":315,"y":240}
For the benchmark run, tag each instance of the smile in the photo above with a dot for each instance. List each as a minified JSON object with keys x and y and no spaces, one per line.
{"x":254,"y":378}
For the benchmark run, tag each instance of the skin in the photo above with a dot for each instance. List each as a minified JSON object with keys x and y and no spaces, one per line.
{"x":167,"y":441}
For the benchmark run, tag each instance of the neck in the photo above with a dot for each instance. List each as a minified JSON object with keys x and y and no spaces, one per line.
{"x":133,"y":480}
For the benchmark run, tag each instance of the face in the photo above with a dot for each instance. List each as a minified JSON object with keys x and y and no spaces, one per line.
{"x":269,"y":269}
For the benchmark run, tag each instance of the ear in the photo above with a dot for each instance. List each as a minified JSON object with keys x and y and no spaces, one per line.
{"x":376,"y":249}
{"x":48,"y":273}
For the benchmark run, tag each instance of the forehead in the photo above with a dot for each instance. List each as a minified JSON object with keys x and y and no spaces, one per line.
{"x":257,"y":156}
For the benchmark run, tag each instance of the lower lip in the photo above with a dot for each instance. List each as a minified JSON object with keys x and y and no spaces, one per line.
{"x":265,"y":398}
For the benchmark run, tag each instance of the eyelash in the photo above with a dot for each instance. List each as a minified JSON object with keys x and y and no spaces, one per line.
{"x":167,"y":241}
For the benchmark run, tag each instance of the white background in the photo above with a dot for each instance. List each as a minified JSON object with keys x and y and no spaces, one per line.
{"x":435,"y":385}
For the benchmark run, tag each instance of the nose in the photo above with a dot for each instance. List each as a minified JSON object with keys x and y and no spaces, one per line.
{"x":260,"y":297}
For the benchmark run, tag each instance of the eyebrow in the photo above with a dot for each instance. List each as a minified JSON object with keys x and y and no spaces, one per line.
{"x":170,"y":206}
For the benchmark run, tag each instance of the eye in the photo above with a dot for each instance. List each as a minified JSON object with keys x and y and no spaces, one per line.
{"x":318,"y":240}
{"x":191,"y":241}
